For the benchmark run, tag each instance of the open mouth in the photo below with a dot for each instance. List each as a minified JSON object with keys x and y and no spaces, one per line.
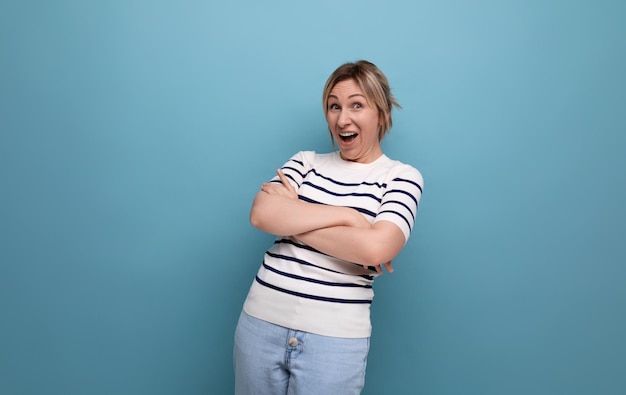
{"x":347,"y":137}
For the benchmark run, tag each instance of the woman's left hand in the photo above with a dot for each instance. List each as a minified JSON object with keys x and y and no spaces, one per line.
{"x":284,"y":188}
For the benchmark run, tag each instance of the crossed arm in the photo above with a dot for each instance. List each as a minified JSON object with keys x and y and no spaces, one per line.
{"x":338,"y":231}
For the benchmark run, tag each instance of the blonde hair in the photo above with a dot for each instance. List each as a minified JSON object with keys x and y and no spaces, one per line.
{"x":372,"y":83}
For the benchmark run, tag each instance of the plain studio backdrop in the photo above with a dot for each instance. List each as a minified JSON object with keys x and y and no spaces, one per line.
{"x":134,"y":135}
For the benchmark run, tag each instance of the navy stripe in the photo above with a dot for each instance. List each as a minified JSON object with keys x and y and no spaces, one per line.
{"x":361,"y":210}
{"x":410,"y":182}
{"x":315,"y":297}
{"x":340,"y":194}
{"x":292,"y":179}
{"x":293,"y":259}
{"x":404,"y":192}
{"x":364,"y":211}
{"x":305,"y":263}
{"x":399,"y":215}
{"x":308,"y":200}
{"x":347,"y":184}
{"x":306,"y":247}
{"x":292,"y":168}
{"x":300,"y":261}
{"x":281,"y":183}
{"x":312,"y":280}
{"x":402,"y":204}
{"x":293,"y":243}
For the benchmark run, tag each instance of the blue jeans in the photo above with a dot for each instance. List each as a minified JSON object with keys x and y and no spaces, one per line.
{"x":273,"y":360}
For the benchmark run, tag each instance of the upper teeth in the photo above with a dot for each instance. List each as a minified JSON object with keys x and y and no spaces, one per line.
{"x":347,"y":134}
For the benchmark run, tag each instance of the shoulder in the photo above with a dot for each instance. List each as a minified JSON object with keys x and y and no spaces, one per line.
{"x":405,"y":172}
{"x":312,"y":158}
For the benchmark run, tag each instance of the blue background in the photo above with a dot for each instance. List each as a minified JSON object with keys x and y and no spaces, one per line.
{"x":134,"y":135}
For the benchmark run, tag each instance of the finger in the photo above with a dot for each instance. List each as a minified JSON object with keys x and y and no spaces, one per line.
{"x":378,"y":269}
{"x":284,"y":180}
{"x":388,"y":266}
{"x":272,"y":188}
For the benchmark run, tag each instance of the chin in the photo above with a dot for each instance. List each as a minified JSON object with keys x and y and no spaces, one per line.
{"x":346,"y":157}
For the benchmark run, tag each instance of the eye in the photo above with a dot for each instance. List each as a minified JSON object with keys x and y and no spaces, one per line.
{"x":333,"y":106}
{"x":357,"y":105}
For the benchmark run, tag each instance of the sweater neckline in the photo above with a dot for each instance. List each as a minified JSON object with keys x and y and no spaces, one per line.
{"x":357,"y":165}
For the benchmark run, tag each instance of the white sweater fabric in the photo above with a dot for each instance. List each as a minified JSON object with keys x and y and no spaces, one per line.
{"x":304,"y":289}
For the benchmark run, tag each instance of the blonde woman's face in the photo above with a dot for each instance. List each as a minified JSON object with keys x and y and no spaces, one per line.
{"x":353,"y":123}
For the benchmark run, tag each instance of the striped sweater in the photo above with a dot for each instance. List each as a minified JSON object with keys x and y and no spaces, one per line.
{"x":304,"y":289}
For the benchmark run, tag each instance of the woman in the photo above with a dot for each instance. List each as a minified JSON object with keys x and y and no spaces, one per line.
{"x":339,"y":217}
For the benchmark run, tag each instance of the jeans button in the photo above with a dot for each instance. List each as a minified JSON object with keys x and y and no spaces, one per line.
{"x":293,"y":341}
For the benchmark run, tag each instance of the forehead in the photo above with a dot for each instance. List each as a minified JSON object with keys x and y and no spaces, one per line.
{"x":346,"y":88}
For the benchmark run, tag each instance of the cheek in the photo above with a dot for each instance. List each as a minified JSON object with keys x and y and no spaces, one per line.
{"x":330,"y":119}
{"x":374,"y":121}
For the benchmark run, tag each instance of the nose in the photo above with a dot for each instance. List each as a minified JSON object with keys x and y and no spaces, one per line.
{"x":344,"y":119}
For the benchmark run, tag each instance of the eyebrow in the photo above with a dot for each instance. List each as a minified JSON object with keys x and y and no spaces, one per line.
{"x":349,"y":97}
